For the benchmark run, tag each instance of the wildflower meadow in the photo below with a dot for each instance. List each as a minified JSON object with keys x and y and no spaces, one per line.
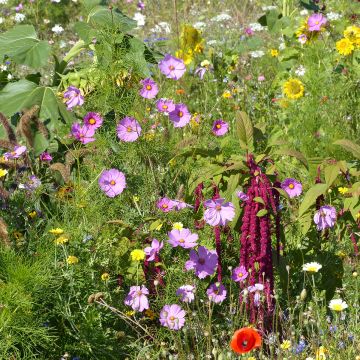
{"x":179,"y":179}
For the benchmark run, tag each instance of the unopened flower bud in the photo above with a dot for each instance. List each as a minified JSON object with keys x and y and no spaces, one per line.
{"x":303,"y":294}
{"x":156,"y":282}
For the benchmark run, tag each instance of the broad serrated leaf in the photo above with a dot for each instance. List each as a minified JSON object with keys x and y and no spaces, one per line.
{"x":244,"y":131}
{"x":349,"y":146}
{"x":310,"y":197}
{"x":21,"y":43}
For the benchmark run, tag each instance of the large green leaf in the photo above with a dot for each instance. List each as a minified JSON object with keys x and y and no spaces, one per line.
{"x":349,"y":146}
{"x":310,"y":197}
{"x":21,"y":43}
{"x":244,"y":131}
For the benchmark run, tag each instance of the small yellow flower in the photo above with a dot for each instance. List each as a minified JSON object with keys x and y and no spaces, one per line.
{"x":226,"y":94}
{"x":136,"y":198}
{"x":150,"y":314}
{"x":284,"y":104}
{"x":205,"y":63}
{"x":149,"y":136}
{"x":3,"y":172}
{"x":130,"y":313}
{"x":353,"y":34}
{"x":343,"y":190}
{"x":274,"y":52}
{"x":178,"y":226}
{"x":56,"y":231}
{"x":72,"y":260}
{"x":293,"y":89}
{"x":172,"y":162}
{"x":251,"y":358}
{"x":105,"y":276}
{"x":285,"y":345}
{"x":345,"y":47}
{"x":186,"y":56}
{"x":61,"y":240}
{"x":320,"y":353}
{"x":32,"y":214}
{"x":158,"y":228}
{"x":137,"y":255}
{"x":357,"y":215}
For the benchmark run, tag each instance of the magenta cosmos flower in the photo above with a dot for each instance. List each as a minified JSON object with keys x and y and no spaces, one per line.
{"x":165,"y":204}
{"x":112,"y":182}
{"x":216,"y":293}
{"x":325,"y":217}
{"x":84,"y":133}
{"x":239,"y":274}
{"x":128,"y":129}
{"x":172,"y":317}
{"x":165,"y":105}
{"x":316,"y":21}
{"x":242,"y":196}
{"x":183,"y":238}
{"x":186,"y":293}
{"x":73,"y":97}
{"x":292,"y":187}
{"x":218,"y":212}
{"x":137,"y":298}
{"x":153,"y":250}
{"x":180,"y":116}
{"x":149,"y":89}
{"x":93,"y":120}
{"x":204,"y":262}
{"x":16,"y":153}
{"x":45,"y":156}
{"x":172,"y":67}
{"x":220,"y":127}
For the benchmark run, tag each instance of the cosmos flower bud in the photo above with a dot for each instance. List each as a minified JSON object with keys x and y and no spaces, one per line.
{"x":303,"y":294}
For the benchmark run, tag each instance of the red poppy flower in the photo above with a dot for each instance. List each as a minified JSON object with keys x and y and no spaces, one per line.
{"x":245,"y":340}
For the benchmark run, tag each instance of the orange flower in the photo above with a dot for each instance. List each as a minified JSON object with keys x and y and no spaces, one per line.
{"x":245,"y":340}
{"x":180,"y":91}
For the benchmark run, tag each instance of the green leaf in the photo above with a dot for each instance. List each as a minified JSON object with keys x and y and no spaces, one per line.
{"x":40,"y":143}
{"x":331,"y":173}
{"x":85,"y":31}
{"x":261,"y":213}
{"x":244,"y":131}
{"x":349,"y":146}
{"x":232,"y":184}
{"x":293,"y":153}
{"x":21,"y":43}
{"x":310,"y":197}
{"x":259,"y":199}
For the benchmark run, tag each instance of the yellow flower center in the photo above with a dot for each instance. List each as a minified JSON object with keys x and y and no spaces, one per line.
{"x":181,"y":241}
{"x":218,"y":126}
{"x":112,"y":182}
{"x":164,"y":206}
{"x":240,"y":274}
{"x":317,"y":22}
{"x":129,"y":129}
{"x":171,"y":67}
{"x":164,"y":107}
{"x":180,"y":113}
{"x":92,"y":121}
{"x":148,"y":87}
{"x":291,"y":186}
{"x":172,"y":318}
{"x":218,"y":207}
{"x":337,"y":307}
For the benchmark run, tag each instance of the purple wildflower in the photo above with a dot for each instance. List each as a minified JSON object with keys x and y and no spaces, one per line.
{"x":186,"y":293}
{"x":84,"y":133}
{"x":149,"y":89}
{"x":153,"y":250}
{"x":302,"y":39}
{"x":180,"y":116}
{"x":183,"y":238}
{"x":325,"y":217}
{"x":257,"y":288}
{"x":200,"y":72}
{"x":315,"y":22}
{"x":165,"y":105}
{"x":45,"y":156}
{"x":73,"y":97}
{"x":179,"y":205}
{"x":16,"y":153}
{"x":292,"y":187}
{"x":112,"y":182}
{"x":239,"y":274}
{"x":218,"y":212}
{"x":216,"y":293}
{"x":19,"y":7}
{"x":128,"y":129}
{"x":172,"y":67}
{"x":93,"y":120}
{"x":141,"y":5}
{"x":242,"y":196}
{"x":32,"y":183}
{"x":204,"y":262}
{"x":165,"y":204}
{"x":220,"y":127}
{"x":137,"y":298}
{"x":172,"y":317}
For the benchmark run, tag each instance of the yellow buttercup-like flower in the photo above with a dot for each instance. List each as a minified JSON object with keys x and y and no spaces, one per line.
{"x":353,"y":34}
{"x":178,"y":226}
{"x":61,"y":240}
{"x":226,"y":94}
{"x":345,"y":47}
{"x":293,"y":89}
{"x":186,"y":56}
{"x":137,"y":255}
{"x":3,"y":172}
{"x":130,"y":313}
{"x":32,"y":214}
{"x":285,"y":345}
{"x":56,"y":231}
{"x":343,"y":190}
{"x":320,"y":353}
{"x":105,"y":276}
{"x":72,"y":260}
{"x":274,"y":52}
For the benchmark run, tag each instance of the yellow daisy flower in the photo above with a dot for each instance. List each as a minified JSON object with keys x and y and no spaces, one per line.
{"x":72,"y":260}
{"x":353,"y":34}
{"x":61,"y":240}
{"x":137,"y":255}
{"x":345,"y":47}
{"x":178,"y":226}
{"x":285,"y":345}
{"x":274,"y":52}
{"x":293,"y":89}
{"x":3,"y":172}
{"x":343,"y":190}
{"x":56,"y":231}
{"x":226,"y":94}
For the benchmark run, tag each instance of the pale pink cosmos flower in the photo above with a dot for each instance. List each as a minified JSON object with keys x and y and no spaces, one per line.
{"x":112,"y":182}
{"x":16,"y":153}
{"x":316,"y":21}
{"x":217,"y":212}
{"x":204,"y":262}
{"x":84,"y":134}
{"x":153,"y":250}
{"x":149,"y":89}
{"x":172,"y":317}
{"x":325,"y":217}
{"x":186,"y":293}
{"x":137,"y":298}
{"x":183,"y":238}
{"x":165,"y":105}
{"x":172,"y":67}
{"x":180,"y":116}
{"x":216,"y":293}
{"x":128,"y":129}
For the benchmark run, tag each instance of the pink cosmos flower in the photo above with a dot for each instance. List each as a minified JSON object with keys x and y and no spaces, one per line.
{"x":316,"y":21}
{"x":200,"y":72}
{"x":149,"y":89}
{"x":220,"y":127}
{"x":239,"y":274}
{"x":242,"y":196}
{"x":257,"y":288}
{"x":249,"y":31}
{"x":93,"y":120}
{"x":218,"y":212}
{"x":16,"y":153}
{"x":172,"y":67}
{"x":302,"y":39}
{"x":325,"y":217}
{"x":165,"y":105}
{"x":128,"y":129}
{"x":165,"y":204}
{"x":153,"y":250}
{"x":112,"y":182}
{"x":186,"y":293}
{"x":45,"y":156}
{"x":183,"y":238}
{"x":84,"y":133}
{"x":137,"y":298}
{"x":261,"y":78}
{"x":216,"y":293}
{"x":73,"y":97}
{"x":180,"y":116}
{"x":292,"y":187}
{"x":179,"y":205}
{"x":204,"y":262}
{"x":172,"y":317}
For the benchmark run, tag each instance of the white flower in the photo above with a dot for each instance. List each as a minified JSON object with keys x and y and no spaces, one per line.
{"x":309,"y":358}
{"x":300,"y":71}
{"x":57,"y":29}
{"x":140,"y":19}
{"x":268,"y":8}
{"x":312,"y":267}
{"x":199,"y":25}
{"x":3,"y":2}
{"x":9,"y":77}
{"x":282,"y":46}
{"x":257,"y":54}
{"x":1,"y":19}
{"x":221,"y":17}
{"x":55,"y":1}
{"x":333,"y":16}
{"x":62,"y":44}
{"x":161,"y":27}
{"x":19,"y":17}
{"x":46,"y":21}
{"x":304,"y":12}
{"x":3,"y":67}
{"x":256,"y":27}
{"x":338,"y":305}
{"x":212,"y":42}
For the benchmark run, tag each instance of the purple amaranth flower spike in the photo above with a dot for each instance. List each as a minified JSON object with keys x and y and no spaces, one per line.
{"x":325,"y":217}
{"x":84,"y":134}
{"x":165,"y":204}
{"x":204,"y":262}
{"x":93,"y":120}
{"x":172,"y":317}
{"x":73,"y":97}
{"x":165,"y":105}
{"x":172,"y":67}
{"x":153,"y":250}
{"x":149,"y":88}
{"x":220,"y":127}
{"x":216,"y":293}
{"x":45,"y":156}
{"x":112,"y":182}
{"x":239,"y":274}
{"x":186,"y":293}
{"x":183,"y":238}
{"x":217,"y":212}
{"x":137,"y":298}
{"x":316,"y":21}
{"x":180,"y":116}
{"x":128,"y":129}
{"x":292,"y":187}
{"x":16,"y":153}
